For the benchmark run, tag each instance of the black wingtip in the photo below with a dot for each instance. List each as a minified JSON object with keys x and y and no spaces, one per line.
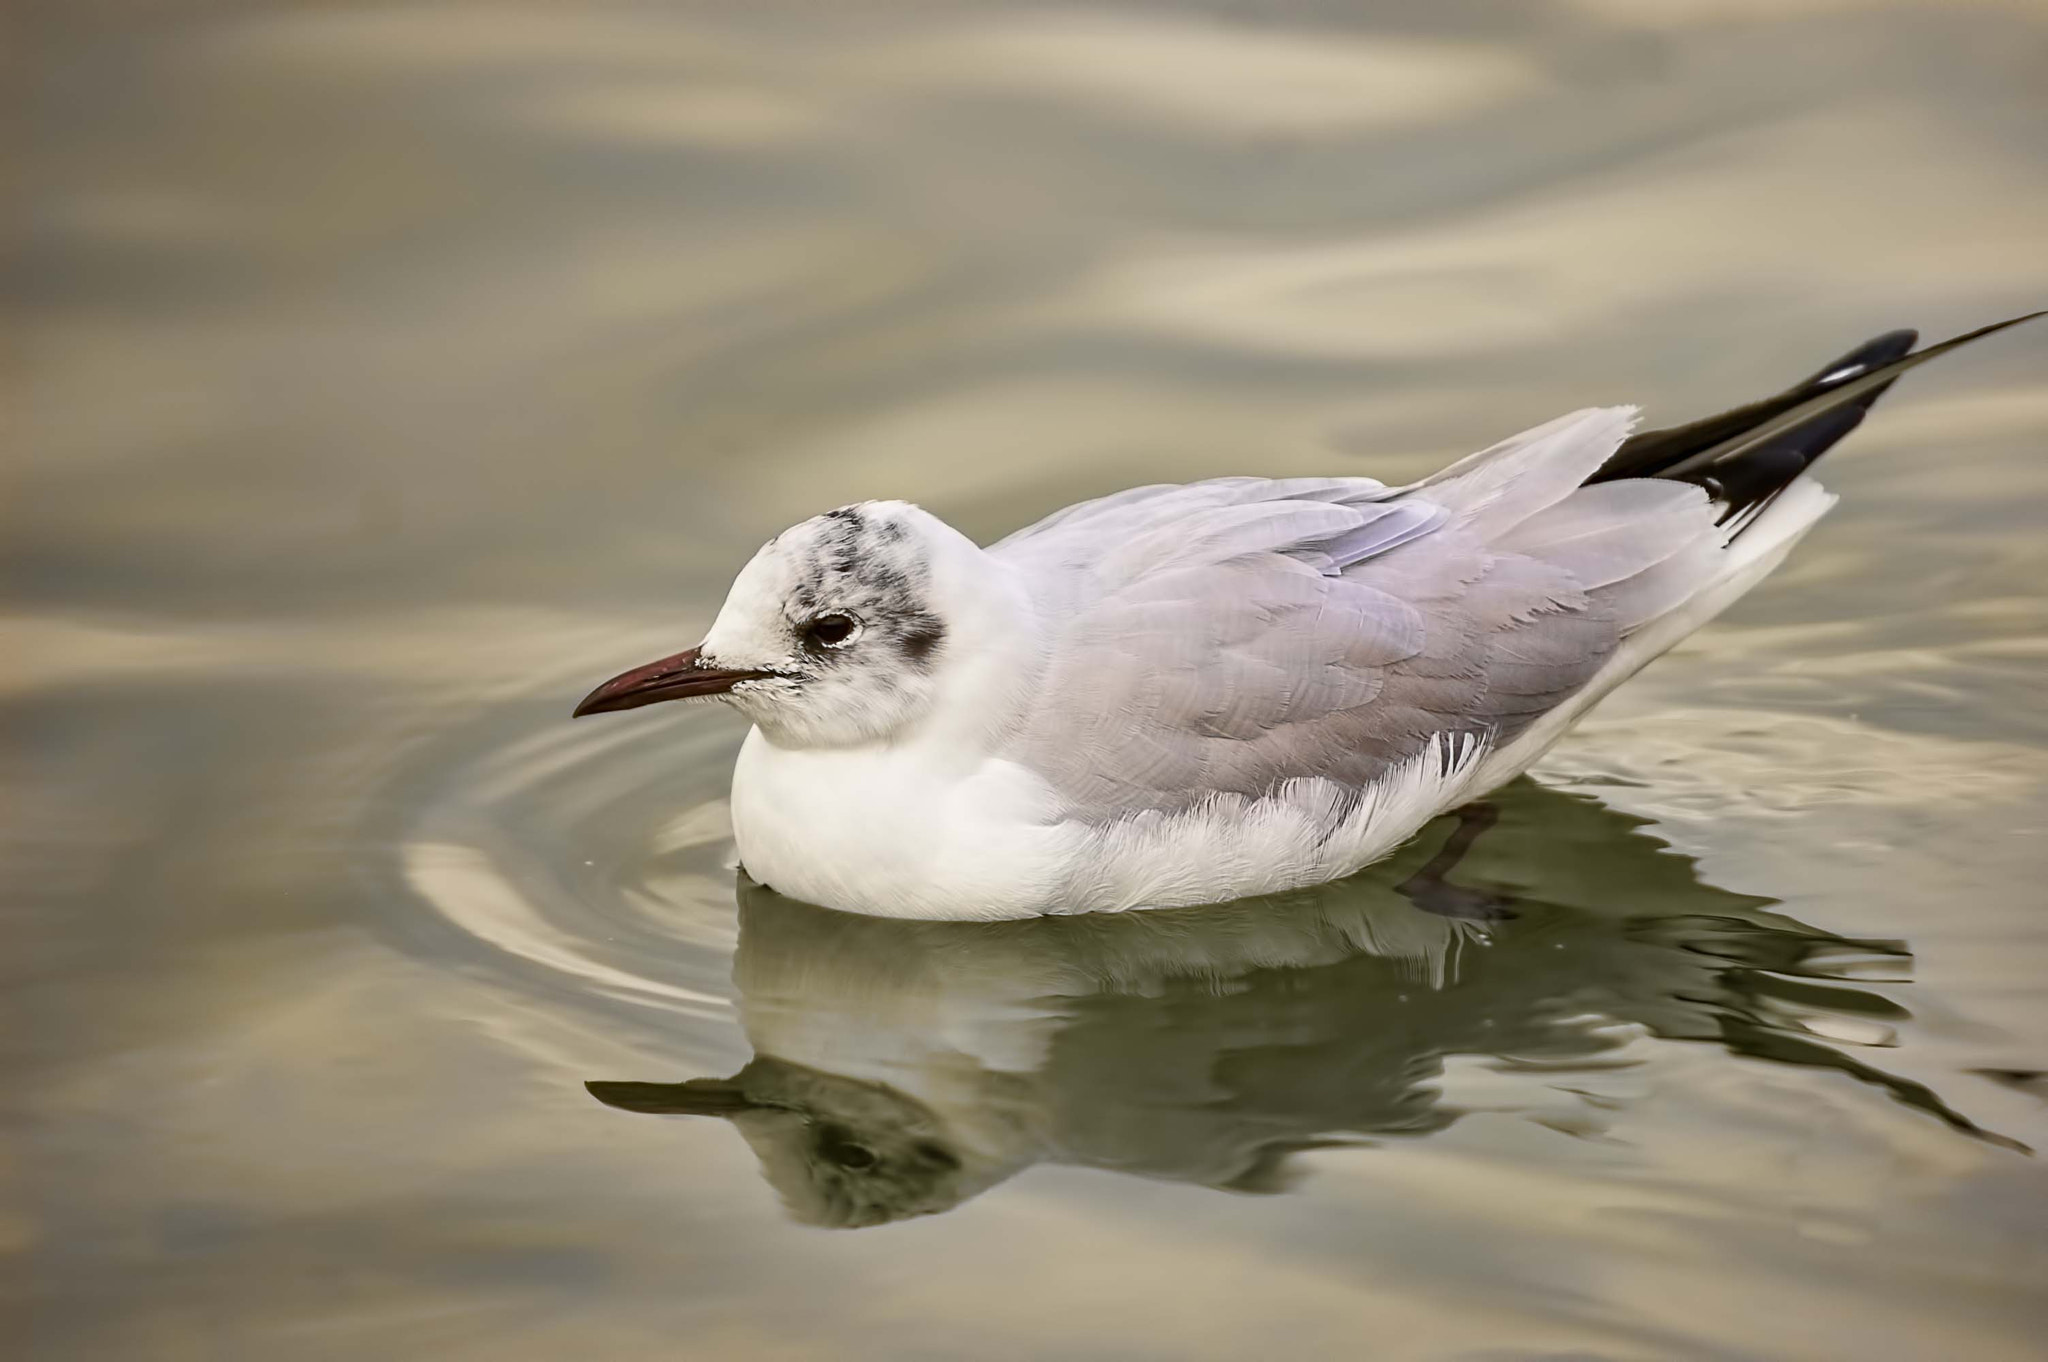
{"x":1747,"y":455}
{"x":1891,"y":346}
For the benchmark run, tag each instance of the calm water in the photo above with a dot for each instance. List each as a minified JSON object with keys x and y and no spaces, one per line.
{"x":394,"y":373}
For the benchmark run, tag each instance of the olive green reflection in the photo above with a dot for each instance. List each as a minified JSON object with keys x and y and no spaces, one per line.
{"x":902,"y":1067}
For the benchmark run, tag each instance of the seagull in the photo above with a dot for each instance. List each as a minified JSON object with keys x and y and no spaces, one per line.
{"x":1193,"y":693}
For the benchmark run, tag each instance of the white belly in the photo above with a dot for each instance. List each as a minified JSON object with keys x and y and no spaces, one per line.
{"x":888,"y":832}
{"x":898,"y":831}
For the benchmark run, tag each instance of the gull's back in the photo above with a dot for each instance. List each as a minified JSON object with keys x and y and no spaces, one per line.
{"x":1226,"y":637}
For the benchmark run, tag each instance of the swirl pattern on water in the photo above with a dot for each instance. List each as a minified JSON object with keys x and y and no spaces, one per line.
{"x":589,"y":864}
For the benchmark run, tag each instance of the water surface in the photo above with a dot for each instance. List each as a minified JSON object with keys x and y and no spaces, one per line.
{"x":391,"y":374}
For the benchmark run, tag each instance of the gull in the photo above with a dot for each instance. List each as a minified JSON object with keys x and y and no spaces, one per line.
{"x":1194,"y":693}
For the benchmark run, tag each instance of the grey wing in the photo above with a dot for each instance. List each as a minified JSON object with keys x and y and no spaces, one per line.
{"x":1078,"y":532}
{"x":1250,"y":640}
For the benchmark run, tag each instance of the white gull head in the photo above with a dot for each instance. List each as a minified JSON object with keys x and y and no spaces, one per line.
{"x":840,"y":632}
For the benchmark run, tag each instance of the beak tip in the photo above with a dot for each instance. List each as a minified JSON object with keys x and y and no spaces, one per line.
{"x":597,"y":702}
{"x":672,"y":678}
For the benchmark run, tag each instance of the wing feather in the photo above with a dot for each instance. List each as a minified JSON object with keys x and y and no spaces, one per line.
{"x":1229,"y":637}
{"x":1497,"y":488}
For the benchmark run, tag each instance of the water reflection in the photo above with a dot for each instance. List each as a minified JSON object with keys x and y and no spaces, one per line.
{"x":904,"y":1067}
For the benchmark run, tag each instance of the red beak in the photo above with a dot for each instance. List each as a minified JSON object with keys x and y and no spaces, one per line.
{"x":673,"y":678}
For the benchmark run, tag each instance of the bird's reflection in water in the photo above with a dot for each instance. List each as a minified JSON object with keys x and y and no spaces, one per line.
{"x":903,"y":1067}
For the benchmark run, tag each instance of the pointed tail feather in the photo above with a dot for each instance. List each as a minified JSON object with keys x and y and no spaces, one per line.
{"x":1747,"y":456}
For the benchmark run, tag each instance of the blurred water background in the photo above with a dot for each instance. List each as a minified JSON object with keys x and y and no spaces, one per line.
{"x":387,"y":374}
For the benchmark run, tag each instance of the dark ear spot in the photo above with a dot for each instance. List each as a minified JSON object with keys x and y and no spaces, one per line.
{"x":923,"y":639}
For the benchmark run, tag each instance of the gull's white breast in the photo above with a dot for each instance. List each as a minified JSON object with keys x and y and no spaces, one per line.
{"x":895,"y":832}
{"x":901,"y":830}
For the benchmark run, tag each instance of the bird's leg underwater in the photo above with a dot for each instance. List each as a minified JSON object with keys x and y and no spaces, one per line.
{"x":1427,"y":888}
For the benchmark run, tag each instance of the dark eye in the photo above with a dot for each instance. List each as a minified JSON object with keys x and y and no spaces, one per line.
{"x":845,"y":1151}
{"x":830,"y":631}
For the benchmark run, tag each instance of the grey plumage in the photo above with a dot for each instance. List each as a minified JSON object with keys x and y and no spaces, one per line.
{"x":1229,"y":636}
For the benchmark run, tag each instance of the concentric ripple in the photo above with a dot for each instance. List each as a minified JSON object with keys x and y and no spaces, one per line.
{"x":588,"y":863}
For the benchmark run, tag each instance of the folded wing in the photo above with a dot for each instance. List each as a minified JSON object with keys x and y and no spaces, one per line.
{"x":1230,"y":636}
